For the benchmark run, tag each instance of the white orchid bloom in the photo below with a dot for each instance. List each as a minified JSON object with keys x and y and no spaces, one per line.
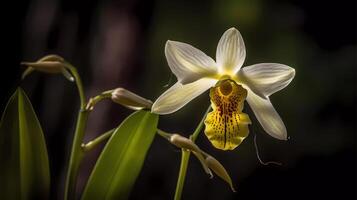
{"x":226,"y":125}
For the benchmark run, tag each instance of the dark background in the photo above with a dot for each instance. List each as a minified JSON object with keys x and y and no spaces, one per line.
{"x":121,"y":43}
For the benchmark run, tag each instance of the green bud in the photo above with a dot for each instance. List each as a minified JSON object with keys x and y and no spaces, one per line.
{"x":200,"y":157}
{"x":51,"y":57}
{"x":52,"y":64}
{"x":45,"y":66}
{"x":130,"y":100}
{"x":218,"y":169}
{"x":187,"y":144}
{"x":184,"y":143}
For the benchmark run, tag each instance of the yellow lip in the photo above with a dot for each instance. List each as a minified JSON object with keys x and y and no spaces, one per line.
{"x":226,"y":125}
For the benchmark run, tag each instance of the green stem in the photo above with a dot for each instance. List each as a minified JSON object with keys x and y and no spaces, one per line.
{"x":77,"y":153}
{"x":93,"y":143}
{"x":94,"y":100}
{"x":185,"y":157}
{"x":199,"y":127}
{"x":90,"y":145}
{"x":79,"y":84}
{"x":164,"y":134}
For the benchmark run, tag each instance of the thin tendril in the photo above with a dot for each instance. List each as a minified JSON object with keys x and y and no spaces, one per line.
{"x":258,"y":156}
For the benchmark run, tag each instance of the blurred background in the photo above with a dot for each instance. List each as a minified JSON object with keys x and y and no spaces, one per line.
{"x":121,"y":44}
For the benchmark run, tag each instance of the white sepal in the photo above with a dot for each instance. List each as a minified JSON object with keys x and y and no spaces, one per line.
{"x":267,"y":116}
{"x":230,"y":54}
{"x":266,"y":78}
{"x":179,"y":95}
{"x":187,"y":62}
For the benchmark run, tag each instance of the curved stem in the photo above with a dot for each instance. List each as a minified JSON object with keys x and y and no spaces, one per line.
{"x":185,"y":157}
{"x":76,"y":152}
{"x":94,"y":100}
{"x":79,"y":84}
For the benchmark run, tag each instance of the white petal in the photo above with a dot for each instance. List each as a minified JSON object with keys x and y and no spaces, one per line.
{"x":188,"y":63}
{"x":267,"y":116}
{"x":179,"y":95}
{"x":230,"y":53}
{"x":266,"y":78}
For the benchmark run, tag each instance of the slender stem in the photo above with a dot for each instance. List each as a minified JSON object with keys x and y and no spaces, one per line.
{"x":185,"y":157}
{"x":90,"y":145}
{"x":76,"y":155}
{"x":93,"y":143}
{"x":164,"y":134}
{"x":78,"y":83}
{"x":200,"y":125}
{"x":76,"y":152}
{"x":94,"y":100}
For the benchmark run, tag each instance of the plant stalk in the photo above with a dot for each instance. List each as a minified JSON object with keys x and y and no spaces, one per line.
{"x":77,"y":153}
{"x":185,"y":157}
{"x":90,"y":145}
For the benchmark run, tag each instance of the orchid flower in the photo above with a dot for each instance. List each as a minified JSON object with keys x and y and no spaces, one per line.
{"x":229,"y":84}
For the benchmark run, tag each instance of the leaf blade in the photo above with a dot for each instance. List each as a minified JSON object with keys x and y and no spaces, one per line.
{"x":122,"y":158}
{"x":23,"y":153}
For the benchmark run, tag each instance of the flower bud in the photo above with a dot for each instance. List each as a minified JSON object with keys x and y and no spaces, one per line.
{"x":45,"y":66}
{"x":130,"y":100}
{"x":200,"y":157}
{"x":51,"y":57}
{"x":49,"y":64}
{"x":218,"y":169}
{"x":184,"y":143}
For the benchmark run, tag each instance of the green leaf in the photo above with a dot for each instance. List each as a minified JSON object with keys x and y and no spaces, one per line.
{"x":24,"y":167}
{"x":122,"y":158}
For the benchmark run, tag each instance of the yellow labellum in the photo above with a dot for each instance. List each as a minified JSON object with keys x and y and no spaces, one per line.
{"x":226,"y":125}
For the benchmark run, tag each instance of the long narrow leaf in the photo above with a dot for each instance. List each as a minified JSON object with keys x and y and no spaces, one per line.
{"x":122,"y":158}
{"x":24,"y":167}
